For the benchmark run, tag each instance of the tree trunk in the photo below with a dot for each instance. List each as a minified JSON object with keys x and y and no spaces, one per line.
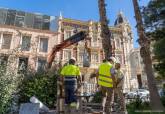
{"x":146,"y":56}
{"x":105,"y":33}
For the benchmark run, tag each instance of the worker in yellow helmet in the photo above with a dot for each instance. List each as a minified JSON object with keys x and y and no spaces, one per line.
{"x":106,"y":80}
{"x":71,"y":77}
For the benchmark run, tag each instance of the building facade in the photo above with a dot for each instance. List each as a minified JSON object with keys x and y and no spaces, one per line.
{"x":25,"y":40}
{"x":121,"y":38}
{"x":138,"y":75}
{"x":30,"y":37}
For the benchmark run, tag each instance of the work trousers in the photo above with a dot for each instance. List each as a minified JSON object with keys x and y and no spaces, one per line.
{"x":119,"y":99}
{"x":70,"y":91}
{"x":107,"y":99}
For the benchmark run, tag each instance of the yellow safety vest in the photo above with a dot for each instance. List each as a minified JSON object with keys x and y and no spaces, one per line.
{"x":70,"y":70}
{"x":105,"y":78}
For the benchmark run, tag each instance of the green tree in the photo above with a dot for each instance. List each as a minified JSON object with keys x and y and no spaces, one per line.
{"x":154,"y":19}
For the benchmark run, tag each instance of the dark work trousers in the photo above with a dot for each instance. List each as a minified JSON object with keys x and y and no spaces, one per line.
{"x":70,"y":91}
{"x":107,"y":99}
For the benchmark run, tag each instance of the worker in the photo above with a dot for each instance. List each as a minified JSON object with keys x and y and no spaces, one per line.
{"x":119,"y":97}
{"x":70,"y":75}
{"x":106,"y":81}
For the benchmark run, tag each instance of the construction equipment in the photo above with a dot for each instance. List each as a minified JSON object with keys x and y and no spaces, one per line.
{"x":82,"y":35}
{"x":66,"y":43}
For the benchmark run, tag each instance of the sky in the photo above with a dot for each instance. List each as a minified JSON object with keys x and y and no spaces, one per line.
{"x":78,"y":9}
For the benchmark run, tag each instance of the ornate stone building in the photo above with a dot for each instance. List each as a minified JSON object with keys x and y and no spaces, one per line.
{"x":122,"y":43}
{"x":33,"y":35}
{"x":138,"y":75}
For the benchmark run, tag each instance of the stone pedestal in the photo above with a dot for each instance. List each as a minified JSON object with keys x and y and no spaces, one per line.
{"x":29,"y":108}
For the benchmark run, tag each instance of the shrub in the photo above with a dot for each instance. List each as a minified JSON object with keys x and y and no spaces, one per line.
{"x":137,"y":105}
{"x":43,"y":86}
{"x":97,"y":98}
{"x":9,"y":82}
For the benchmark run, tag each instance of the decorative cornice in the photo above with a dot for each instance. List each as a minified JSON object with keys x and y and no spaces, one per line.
{"x":85,"y":24}
{"x":73,"y":21}
{"x":28,"y":29}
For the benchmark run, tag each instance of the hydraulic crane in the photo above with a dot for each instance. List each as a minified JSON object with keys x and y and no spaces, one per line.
{"x":82,"y":35}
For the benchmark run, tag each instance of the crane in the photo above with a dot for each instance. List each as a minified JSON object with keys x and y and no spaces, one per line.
{"x":82,"y":35}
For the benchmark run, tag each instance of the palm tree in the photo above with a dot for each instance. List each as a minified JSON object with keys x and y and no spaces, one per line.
{"x":146,"y":56}
{"x":105,"y":33}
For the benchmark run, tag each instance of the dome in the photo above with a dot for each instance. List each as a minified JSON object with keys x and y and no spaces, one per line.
{"x":120,"y":19}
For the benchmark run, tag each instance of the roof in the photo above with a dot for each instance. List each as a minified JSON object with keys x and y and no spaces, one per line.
{"x":120,"y":19}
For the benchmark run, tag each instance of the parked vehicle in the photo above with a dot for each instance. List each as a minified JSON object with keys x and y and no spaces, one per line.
{"x":141,"y":93}
{"x":161,"y":92}
{"x":131,"y":94}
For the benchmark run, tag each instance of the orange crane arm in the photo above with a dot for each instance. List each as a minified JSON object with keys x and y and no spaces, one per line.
{"x":66,"y":43}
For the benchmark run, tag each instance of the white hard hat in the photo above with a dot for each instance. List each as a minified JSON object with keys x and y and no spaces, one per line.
{"x":73,"y":58}
{"x":113,"y":59}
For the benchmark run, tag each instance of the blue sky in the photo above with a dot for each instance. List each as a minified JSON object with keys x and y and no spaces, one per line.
{"x":77,"y":9}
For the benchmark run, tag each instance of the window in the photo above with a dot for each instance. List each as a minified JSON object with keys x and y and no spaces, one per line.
{"x":86,"y":58}
{"x":6,"y":41}
{"x":25,"y":43}
{"x":20,"y":17}
{"x":67,"y":54}
{"x":118,"y":43}
{"x":43,"y":45}
{"x":94,"y":37}
{"x":10,"y":17}
{"x":68,"y":34}
{"x":95,"y":57}
{"x":3,"y":14}
{"x":81,"y":56}
{"x":23,"y":64}
{"x":41,"y":64}
{"x":38,"y":21}
{"x":95,"y":32}
{"x":46,"y":22}
{"x":29,"y":20}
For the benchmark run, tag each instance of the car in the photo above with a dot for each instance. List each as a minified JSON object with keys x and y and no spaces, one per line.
{"x":144,"y":98}
{"x":161,"y":92}
{"x":131,"y":94}
{"x":141,"y":93}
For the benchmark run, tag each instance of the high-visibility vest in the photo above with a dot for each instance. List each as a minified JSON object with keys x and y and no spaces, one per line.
{"x":70,"y":70}
{"x":105,"y":78}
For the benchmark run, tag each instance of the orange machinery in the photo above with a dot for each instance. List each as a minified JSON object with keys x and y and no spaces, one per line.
{"x":66,"y":43}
